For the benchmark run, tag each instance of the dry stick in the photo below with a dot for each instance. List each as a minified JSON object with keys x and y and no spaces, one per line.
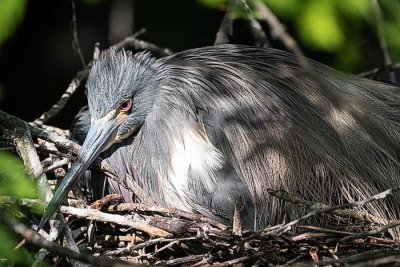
{"x":30,"y":158}
{"x":57,"y":164}
{"x":238,"y":216}
{"x":57,"y":107}
{"x":311,"y":205}
{"x":75,"y":43}
{"x":361,"y":257}
{"x":255,"y":27}
{"x":258,"y":33}
{"x":166,"y":211}
{"x":96,"y":215}
{"x":118,"y":238}
{"x":381,"y":35}
{"x":359,"y":203}
{"x":98,"y":204}
{"x":378,"y":230}
{"x":391,"y":260}
{"x":35,"y":239}
{"x":240,"y":260}
{"x":278,"y":32}
{"x":181,"y":261}
{"x":226,"y":27}
{"x":135,"y":43}
{"x":325,"y":230}
{"x":373,"y":72}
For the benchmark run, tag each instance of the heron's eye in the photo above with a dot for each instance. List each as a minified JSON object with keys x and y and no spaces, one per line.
{"x":126,"y":105}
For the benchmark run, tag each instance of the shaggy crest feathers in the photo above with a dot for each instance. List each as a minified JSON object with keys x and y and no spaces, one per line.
{"x":115,"y":77}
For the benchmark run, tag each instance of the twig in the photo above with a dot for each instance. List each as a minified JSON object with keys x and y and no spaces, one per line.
{"x":35,"y":239}
{"x":311,"y":205}
{"x":237,"y":216}
{"x":254,"y":25}
{"x":181,"y":261}
{"x":258,"y":32}
{"x":91,"y":214}
{"x":57,"y":164}
{"x":226,"y":27}
{"x":361,"y":257}
{"x":30,"y":158}
{"x":373,"y":72}
{"x":132,"y":41}
{"x":98,"y":204}
{"x":278,"y":32}
{"x":378,"y":230}
{"x":57,"y":107}
{"x":75,"y":43}
{"x":382,"y":40}
{"x":166,"y":211}
{"x":330,"y":209}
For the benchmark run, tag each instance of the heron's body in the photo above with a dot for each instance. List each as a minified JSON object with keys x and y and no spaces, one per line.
{"x":215,"y":123}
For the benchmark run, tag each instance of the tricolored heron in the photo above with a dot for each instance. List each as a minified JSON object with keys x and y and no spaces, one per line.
{"x":204,"y":126}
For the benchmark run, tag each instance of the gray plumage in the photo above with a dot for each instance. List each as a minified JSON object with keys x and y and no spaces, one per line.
{"x":210,"y":124}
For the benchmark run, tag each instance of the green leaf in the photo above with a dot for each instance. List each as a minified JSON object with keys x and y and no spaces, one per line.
{"x":354,"y":8}
{"x":319,"y":26}
{"x":214,"y":3}
{"x":7,"y":244}
{"x":13,"y":179}
{"x":11,"y":15}
{"x":285,"y":8}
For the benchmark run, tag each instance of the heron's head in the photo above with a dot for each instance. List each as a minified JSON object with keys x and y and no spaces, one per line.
{"x":121,"y":88}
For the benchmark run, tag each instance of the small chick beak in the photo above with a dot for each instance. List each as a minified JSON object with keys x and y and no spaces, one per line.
{"x":100,"y":136}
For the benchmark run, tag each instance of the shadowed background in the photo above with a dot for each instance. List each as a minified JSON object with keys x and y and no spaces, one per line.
{"x":37,"y":58}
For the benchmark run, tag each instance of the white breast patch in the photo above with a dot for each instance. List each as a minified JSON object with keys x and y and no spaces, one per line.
{"x":193,"y":153}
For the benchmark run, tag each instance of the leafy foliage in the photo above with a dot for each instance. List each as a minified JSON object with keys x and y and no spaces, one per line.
{"x":11,"y":15}
{"x":13,"y":182}
{"x":13,"y":179}
{"x":334,"y":27}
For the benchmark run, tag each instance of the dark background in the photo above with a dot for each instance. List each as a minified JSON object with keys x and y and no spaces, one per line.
{"x":38,"y":62}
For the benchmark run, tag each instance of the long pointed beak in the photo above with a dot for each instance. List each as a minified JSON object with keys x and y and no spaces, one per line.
{"x":100,"y":135}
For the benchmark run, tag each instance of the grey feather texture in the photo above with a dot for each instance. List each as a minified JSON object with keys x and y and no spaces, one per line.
{"x":218,"y":122}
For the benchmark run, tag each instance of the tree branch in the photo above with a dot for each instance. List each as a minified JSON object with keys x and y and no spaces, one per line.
{"x":92,"y":214}
{"x":278,"y":32}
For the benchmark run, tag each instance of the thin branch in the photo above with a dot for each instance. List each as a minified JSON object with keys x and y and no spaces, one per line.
{"x":35,"y":239}
{"x":237,"y":227}
{"x":278,"y":32}
{"x":226,"y":27}
{"x":75,"y":43}
{"x":362,"y":258}
{"x":311,"y":205}
{"x":96,"y":215}
{"x":374,"y":72}
{"x":166,"y":211}
{"x":378,"y":230}
{"x":31,"y":159}
{"x":360,"y":203}
{"x":258,"y":32}
{"x":57,"y":107}
{"x":181,"y":261}
{"x":382,"y":40}
{"x":133,"y":42}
